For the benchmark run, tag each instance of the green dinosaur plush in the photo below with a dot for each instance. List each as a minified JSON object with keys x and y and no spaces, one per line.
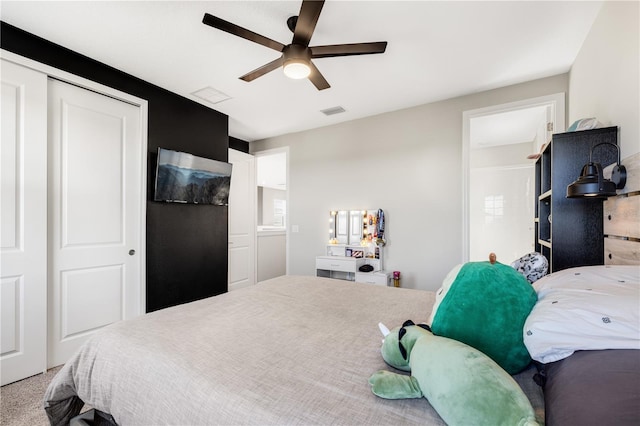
{"x":463,"y":385}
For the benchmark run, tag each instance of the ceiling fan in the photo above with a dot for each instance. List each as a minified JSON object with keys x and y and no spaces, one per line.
{"x":296,"y":57}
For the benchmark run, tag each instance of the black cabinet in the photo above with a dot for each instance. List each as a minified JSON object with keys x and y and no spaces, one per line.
{"x":568,"y":231}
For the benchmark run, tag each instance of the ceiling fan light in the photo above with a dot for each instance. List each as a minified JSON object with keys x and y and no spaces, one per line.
{"x":296,"y":69}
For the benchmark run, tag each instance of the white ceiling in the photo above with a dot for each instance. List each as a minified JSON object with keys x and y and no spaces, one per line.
{"x":436,"y":50}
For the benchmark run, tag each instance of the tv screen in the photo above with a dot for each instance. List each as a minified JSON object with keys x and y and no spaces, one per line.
{"x":185,"y":178}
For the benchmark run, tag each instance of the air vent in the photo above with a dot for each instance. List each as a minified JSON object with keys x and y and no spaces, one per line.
{"x":211,"y":95}
{"x":333,"y":111}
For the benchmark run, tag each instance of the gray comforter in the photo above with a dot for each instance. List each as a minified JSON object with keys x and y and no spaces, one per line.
{"x":292,"y":350}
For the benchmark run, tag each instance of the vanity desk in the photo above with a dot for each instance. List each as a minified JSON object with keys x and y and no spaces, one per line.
{"x":344,"y":261}
{"x":353,"y":245}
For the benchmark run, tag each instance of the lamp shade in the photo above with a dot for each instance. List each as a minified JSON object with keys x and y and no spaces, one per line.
{"x":591,"y":183}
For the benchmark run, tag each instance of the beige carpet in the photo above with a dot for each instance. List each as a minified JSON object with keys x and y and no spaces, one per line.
{"x":21,"y":402}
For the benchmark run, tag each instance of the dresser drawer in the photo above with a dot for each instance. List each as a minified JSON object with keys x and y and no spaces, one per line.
{"x":377,"y":278}
{"x":335,"y":263}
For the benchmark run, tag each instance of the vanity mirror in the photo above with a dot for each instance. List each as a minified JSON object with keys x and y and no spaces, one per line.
{"x":356,"y":225}
{"x":339,"y":227}
{"x":353,"y":226}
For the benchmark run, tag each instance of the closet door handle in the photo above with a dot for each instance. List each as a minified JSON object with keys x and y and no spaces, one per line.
{"x":132,"y":252}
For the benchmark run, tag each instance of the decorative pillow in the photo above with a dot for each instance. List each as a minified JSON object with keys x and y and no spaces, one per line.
{"x":533,"y":266}
{"x":486,"y":307}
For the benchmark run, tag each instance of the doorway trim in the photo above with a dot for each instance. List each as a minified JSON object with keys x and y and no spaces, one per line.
{"x":266,"y":152}
{"x":143,"y":104}
{"x":556,"y":101}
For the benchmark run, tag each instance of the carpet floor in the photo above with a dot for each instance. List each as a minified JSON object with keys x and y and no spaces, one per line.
{"x":21,"y":401}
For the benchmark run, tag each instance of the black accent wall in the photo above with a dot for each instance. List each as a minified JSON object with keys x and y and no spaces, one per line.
{"x":238,"y":144}
{"x":186,"y":244}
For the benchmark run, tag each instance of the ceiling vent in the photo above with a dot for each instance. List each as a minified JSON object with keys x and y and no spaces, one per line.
{"x":211,"y":95}
{"x":333,"y":111}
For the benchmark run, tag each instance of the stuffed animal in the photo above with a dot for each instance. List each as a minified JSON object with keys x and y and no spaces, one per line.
{"x":532,"y":265}
{"x":485,"y":305}
{"x":462,"y":384}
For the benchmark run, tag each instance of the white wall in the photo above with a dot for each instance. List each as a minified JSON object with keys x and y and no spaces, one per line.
{"x":604,"y":81}
{"x":501,"y":171}
{"x":501,"y":212}
{"x":503,"y":155}
{"x":407,"y":162}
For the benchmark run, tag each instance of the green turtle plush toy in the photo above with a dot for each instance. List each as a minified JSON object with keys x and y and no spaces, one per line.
{"x":485,"y":305}
{"x":463,"y":385}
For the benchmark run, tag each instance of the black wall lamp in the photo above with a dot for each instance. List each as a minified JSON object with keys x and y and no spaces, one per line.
{"x":592,"y":183}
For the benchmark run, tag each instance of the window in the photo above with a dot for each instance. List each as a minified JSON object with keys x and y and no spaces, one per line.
{"x":493,"y":208}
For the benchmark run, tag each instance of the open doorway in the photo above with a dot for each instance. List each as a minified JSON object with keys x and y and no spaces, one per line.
{"x":499,"y":178}
{"x":272,"y":208}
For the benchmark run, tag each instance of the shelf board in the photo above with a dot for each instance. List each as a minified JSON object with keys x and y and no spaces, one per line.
{"x":545,"y":243}
{"x":545,"y":195}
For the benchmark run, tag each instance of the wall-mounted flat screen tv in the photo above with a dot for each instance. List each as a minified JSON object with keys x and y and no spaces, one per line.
{"x":185,"y":178}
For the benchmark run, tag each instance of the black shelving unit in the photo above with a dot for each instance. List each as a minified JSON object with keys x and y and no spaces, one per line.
{"x":569,"y":231}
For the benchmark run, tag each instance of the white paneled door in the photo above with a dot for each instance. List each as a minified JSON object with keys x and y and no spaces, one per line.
{"x":95,"y":175}
{"x":242,"y":221}
{"x":23,"y":218}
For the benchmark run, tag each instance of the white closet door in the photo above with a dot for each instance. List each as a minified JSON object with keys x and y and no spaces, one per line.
{"x":23,"y":220}
{"x":242,"y":221}
{"x":95,"y":164}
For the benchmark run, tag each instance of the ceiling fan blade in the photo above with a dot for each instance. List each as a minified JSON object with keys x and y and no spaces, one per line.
{"x":236,"y":30}
{"x":317,"y":78}
{"x":307,"y":20}
{"x":333,"y":50}
{"x":259,"y":72}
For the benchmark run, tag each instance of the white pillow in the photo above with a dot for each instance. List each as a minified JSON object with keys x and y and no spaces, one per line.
{"x":585,"y":308}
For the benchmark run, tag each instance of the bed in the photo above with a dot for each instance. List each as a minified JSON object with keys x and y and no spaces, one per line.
{"x":300,"y":350}
{"x":291,"y":350}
